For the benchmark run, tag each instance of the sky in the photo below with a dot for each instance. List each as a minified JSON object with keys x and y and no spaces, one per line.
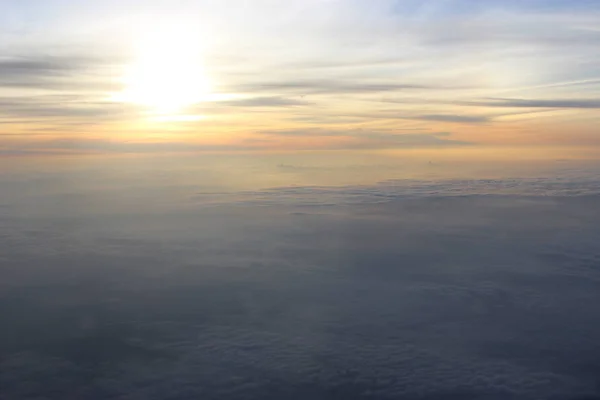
{"x":265,"y":75}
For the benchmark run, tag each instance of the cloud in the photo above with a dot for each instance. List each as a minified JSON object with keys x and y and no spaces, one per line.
{"x":36,"y":143}
{"x":51,"y":72}
{"x":57,"y":91}
{"x":333,"y":87}
{"x":405,"y":140}
{"x":35,"y":66}
{"x":530,"y":103}
{"x":343,"y":56}
{"x":485,"y":25}
{"x":585,"y":186}
{"x":361,"y":139}
{"x":93,"y":145}
{"x":466,"y":119}
{"x":65,"y":111}
{"x":375,"y":294}
{"x":309,"y":132}
{"x":271,"y":101}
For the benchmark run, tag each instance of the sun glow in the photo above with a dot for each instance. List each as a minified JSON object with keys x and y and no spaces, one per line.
{"x":167,"y":74}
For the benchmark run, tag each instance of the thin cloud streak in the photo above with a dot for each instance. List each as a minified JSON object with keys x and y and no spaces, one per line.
{"x":528,"y":103}
{"x":272,"y":101}
{"x":461,"y":119}
{"x":327,"y":87}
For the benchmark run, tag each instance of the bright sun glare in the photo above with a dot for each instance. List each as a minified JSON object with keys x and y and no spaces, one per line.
{"x":167,"y":74}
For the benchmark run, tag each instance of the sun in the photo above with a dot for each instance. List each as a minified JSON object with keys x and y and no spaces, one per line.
{"x":167,"y":74}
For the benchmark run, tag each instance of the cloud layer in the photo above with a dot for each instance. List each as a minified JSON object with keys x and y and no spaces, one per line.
{"x":117,"y":283}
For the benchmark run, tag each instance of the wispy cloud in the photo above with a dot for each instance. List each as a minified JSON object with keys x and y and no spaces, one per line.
{"x":530,"y":103}
{"x":359,"y":138}
{"x":462,"y":119}
{"x":59,"y":111}
{"x":406,"y":140}
{"x":52,"y":72}
{"x":271,"y":101}
{"x":265,"y":140}
{"x":332,"y":86}
{"x":79,"y":145}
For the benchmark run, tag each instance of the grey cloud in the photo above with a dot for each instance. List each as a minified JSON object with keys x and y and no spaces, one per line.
{"x":467,"y":119}
{"x":97,"y":111}
{"x":395,"y":115}
{"x":549,"y":30}
{"x":531,"y":103}
{"x":37,"y":145}
{"x":352,"y":140}
{"x":353,"y":63}
{"x":303,"y":132}
{"x":51,"y":72}
{"x":407,"y":140}
{"x":35,"y":66}
{"x":326,"y":119}
{"x":92,"y":145}
{"x":356,"y":292}
{"x":69,"y":108}
{"x":272,"y":101}
{"x":360,"y":132}
{"x":327,"y":87}
{"x":362,"y":139}
{"x":586,"y":187}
